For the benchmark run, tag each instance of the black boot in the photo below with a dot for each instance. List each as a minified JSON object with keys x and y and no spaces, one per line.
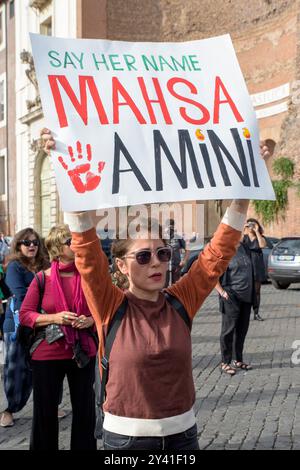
{"x":258,"y":317}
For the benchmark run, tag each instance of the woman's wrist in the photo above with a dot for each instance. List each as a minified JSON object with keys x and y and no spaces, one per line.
{"x":79,"y":221}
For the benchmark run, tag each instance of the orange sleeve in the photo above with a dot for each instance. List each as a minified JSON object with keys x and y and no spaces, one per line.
{"x":102,"y":296}
{"x":193,"y":288}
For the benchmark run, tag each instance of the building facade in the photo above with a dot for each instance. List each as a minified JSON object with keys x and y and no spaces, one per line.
{"x":8,"y":208}
{"x":266,"y":37}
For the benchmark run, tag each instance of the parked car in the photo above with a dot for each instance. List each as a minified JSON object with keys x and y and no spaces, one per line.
{"x":271,"y":242}
{"x":284,"y":263}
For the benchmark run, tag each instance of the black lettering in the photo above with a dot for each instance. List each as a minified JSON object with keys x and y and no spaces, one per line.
{"x":181,"y":173}
{"x":218,"y":146}
{"x":253,"y":166}
{"x":120,"y":147}
{"x":207,"y":164}
{"x":186,"y":143}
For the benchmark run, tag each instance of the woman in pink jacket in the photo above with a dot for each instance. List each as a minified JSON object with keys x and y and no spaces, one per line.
{"x":64,"y":330}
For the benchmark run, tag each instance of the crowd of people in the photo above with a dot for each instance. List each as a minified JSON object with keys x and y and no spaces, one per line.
{"x":60,"y":291}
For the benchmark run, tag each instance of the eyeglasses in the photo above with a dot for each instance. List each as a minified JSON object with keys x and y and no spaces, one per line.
{"x":144,"y":256}
{"x":68,"y":242}
{"x":28,"y":243}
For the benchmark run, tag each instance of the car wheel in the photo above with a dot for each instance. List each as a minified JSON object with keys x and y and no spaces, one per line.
{"x":280,"y":285}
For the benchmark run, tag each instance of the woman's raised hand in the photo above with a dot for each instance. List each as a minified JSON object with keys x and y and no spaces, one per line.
{"x":47,"y":138}
{"x":264,"y":150}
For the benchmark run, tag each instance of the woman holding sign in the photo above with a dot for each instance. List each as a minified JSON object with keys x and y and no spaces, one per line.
{"x":150,"y":391}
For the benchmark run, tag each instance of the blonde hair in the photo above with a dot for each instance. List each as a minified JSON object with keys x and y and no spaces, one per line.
{"x":55,"y":240}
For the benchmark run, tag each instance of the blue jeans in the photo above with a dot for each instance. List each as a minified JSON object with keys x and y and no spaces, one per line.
{"x":186,"y":440}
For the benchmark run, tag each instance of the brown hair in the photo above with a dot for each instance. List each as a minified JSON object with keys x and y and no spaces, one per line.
{"x":121,"y":246}
{"x":255,"y":221}
{"x":55,"y":240}
{"x":41,"y":260}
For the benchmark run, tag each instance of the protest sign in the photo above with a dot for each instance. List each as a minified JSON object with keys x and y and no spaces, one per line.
{"x":141,"y":123}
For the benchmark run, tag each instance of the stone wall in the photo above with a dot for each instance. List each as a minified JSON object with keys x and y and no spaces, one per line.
{"x":175,"y":20}
{"x":266,"y":37}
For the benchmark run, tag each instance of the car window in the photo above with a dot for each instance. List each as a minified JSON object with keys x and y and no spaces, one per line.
{"x":290,"y":244}
{"x":271,"y":241}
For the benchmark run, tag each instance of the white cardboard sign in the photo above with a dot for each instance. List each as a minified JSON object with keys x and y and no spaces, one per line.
{"x":141,"y":123}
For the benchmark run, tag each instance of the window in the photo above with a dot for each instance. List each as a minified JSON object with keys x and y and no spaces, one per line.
{"x":12,"y":8}
{"x":2,"y":175}
{"x":46,"y":27}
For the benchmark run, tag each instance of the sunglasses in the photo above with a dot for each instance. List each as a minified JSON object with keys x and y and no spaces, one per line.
{"x":144,"y":256}
{"x":68,"y":242}
{"x":28,"y":243}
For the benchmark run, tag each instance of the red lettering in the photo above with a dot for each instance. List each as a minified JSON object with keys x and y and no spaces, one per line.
{"x":160,"y":100}
{"x":79,"y":105}
{"x":205,"y":113}
{"x":220,"y":85}
{"x":117,"y":88}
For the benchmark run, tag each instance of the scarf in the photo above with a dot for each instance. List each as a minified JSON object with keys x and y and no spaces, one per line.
{"x":79,"y":303}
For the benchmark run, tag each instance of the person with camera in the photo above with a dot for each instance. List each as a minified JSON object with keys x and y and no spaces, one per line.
{"x":236,"y":297}
{"x":254,"y":239}
{"x":65,"y":346}
{"x":27,"y":256}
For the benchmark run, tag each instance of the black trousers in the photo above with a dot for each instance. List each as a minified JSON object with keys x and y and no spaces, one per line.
{"x":235,"y":324}
{"x":48,"y":378}
{"x":257,"y":295}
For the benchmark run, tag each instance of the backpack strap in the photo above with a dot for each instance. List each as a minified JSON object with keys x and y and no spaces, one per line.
{"x":177,"y":305}
{"x":110,"y":337}
{"x":41,"y":286}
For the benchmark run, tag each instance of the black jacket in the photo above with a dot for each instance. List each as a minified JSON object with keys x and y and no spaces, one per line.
{"x":238,"y":279}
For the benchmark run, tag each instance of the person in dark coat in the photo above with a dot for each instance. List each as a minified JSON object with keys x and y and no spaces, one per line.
{"x":236,"y":297}
{"x":254,"y":239}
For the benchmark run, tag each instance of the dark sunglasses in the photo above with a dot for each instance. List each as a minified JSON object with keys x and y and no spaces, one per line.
{"x":28,"y":243}
{"x":144,"y":256}
{"x":68,"y":242}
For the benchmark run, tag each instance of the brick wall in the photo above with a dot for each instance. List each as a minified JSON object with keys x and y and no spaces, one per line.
{"x":290,"y":224}
{"x":266,"y":37}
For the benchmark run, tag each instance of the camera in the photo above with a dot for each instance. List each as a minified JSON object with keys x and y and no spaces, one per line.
{"x":251,"y":225}
{"x":53,"y":333}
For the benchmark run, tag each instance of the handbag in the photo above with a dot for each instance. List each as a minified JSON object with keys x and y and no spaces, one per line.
{"x":25,"y":335}
{"x":17,"y":377}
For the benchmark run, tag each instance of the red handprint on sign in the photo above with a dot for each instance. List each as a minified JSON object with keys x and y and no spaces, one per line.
{"x":82,"y":178}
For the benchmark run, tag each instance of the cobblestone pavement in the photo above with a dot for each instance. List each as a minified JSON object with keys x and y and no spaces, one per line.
{"x":252,"y":410}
